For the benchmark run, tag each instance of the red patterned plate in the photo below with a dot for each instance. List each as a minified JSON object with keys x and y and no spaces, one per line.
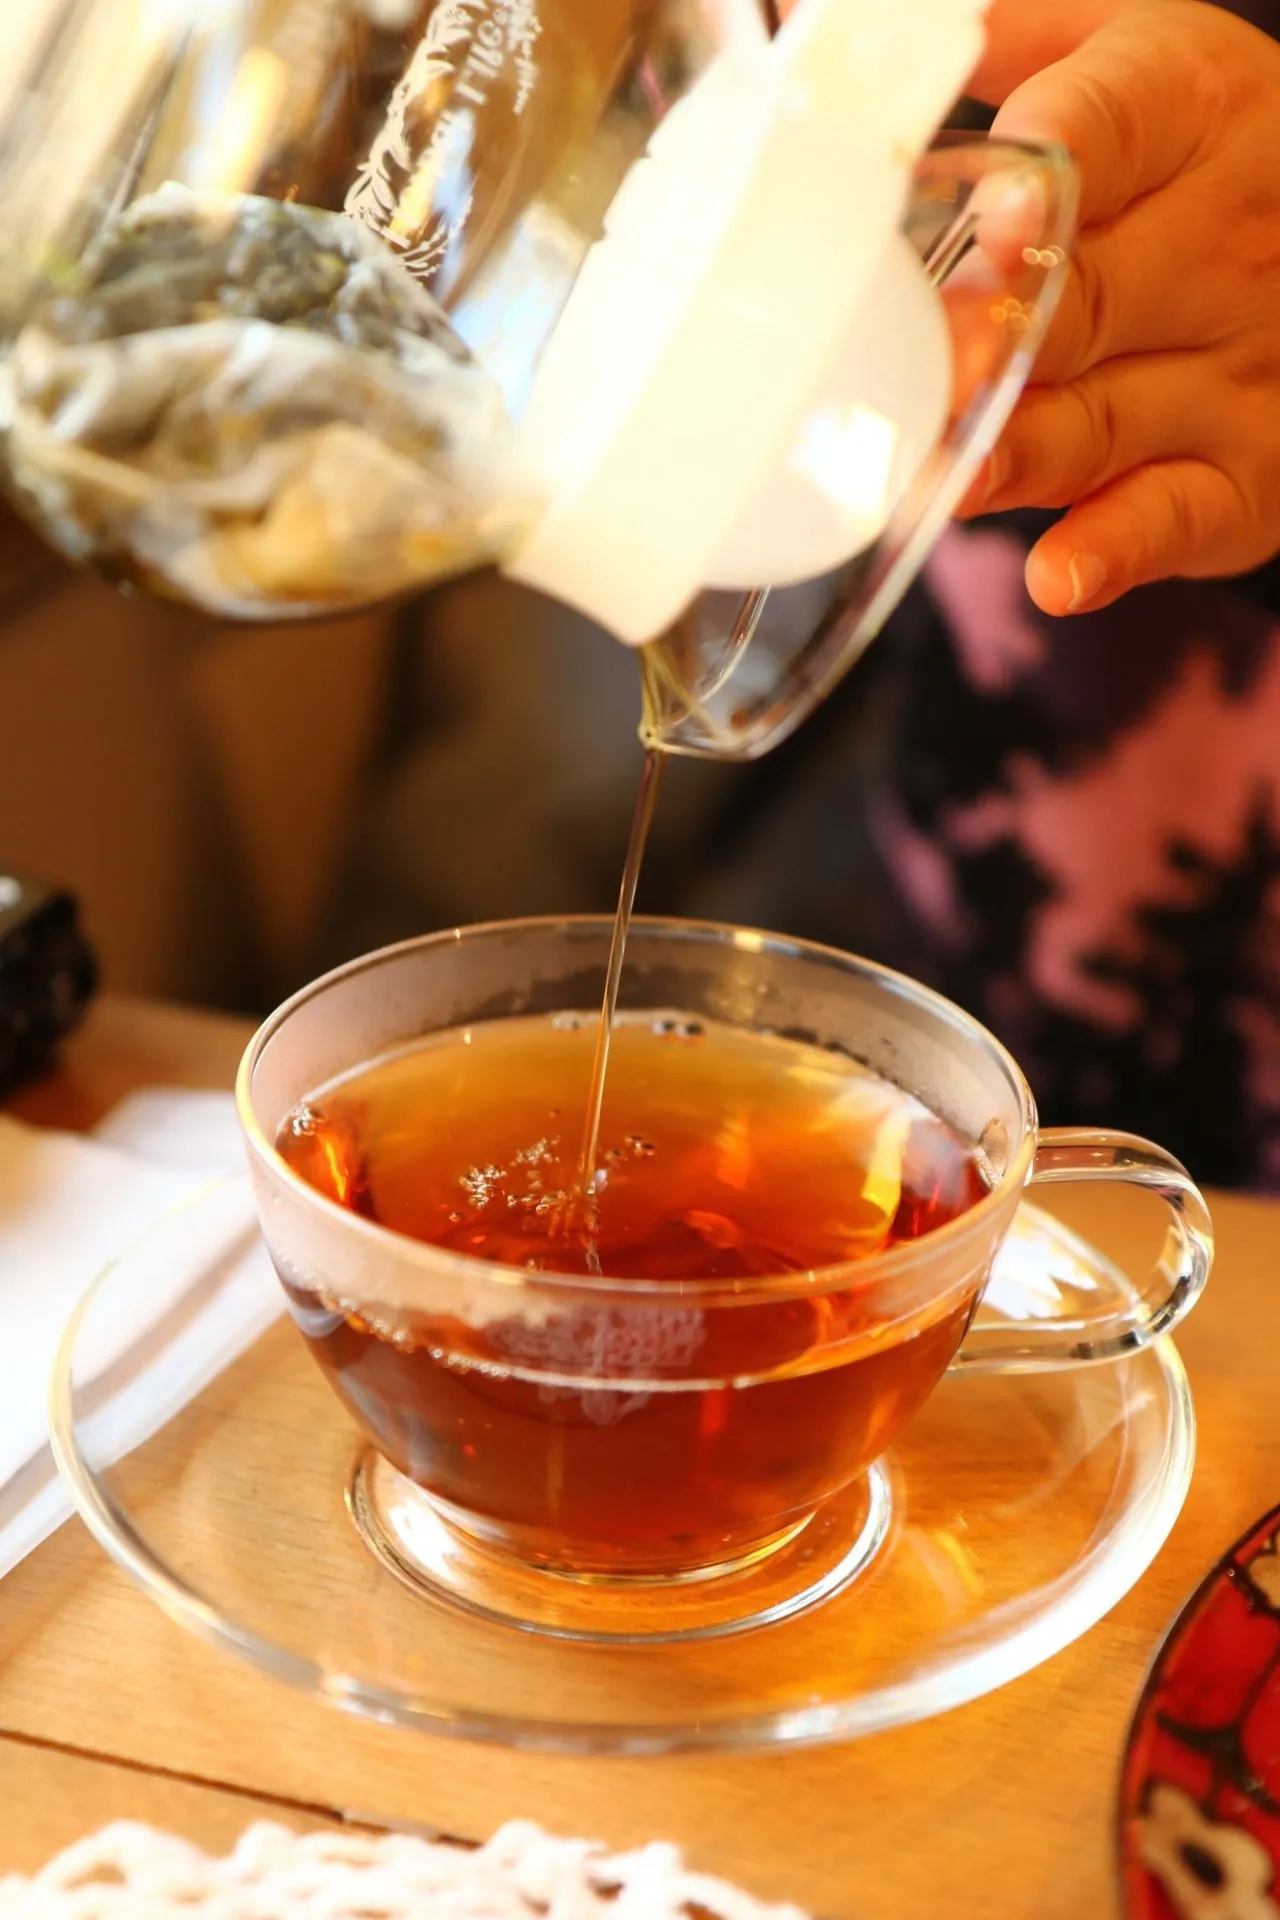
{"x":1200,"y":1790}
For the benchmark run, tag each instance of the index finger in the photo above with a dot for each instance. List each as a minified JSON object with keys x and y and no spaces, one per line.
{"x":1124,"y":104}
{"x":1023,"y":39}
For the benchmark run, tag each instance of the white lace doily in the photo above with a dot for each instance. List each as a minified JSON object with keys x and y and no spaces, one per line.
{"x":130,"y":1872}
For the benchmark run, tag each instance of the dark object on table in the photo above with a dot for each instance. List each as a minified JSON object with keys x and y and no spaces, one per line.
{"x":47,"y":974}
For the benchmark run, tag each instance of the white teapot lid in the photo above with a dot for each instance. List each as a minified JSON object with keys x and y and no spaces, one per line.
{"x":751,"y":263}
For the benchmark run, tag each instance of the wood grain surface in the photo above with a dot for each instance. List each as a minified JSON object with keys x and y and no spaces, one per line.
{"x":1003,"y":1807}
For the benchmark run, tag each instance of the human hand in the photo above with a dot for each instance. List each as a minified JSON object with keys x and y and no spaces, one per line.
{"x":1154,"y":413}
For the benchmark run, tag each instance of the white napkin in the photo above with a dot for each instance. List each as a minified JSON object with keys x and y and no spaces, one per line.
{"x":193,"y":1132}
{"x":203,"y":1292}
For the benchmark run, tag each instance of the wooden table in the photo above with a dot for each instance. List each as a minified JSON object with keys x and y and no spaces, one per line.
{"x":1000,"y":1809}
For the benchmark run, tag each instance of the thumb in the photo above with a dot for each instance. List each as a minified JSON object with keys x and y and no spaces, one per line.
{"x":1023,"y":38}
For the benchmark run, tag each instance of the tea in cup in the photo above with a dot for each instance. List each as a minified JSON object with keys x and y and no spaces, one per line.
{"x":807,"y":1167}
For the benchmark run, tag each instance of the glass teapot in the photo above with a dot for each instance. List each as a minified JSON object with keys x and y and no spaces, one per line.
{"x":680,"y":316}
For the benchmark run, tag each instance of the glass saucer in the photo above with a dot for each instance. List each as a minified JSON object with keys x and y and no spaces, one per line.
{"x":208,"y":1456}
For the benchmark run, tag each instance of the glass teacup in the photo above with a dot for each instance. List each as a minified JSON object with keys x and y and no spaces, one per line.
{"x":535,"y":1432}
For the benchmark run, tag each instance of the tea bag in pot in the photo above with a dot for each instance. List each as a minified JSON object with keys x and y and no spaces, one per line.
{"x":230,"y":379}
{"x":254,"y":405}
{"x":216,"y":387}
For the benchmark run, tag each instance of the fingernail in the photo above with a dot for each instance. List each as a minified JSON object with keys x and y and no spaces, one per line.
{"x":1088,"y":577}
{"x":987,"y":482}
{"x":1013,"y":214}
{"x":995,"y":474}
{"x":1025,"y":215}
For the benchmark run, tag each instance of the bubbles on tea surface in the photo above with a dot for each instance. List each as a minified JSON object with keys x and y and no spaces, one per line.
{"x":572,"y":1022}
{"x":480,"y":1184}
{"x":673,"y":1027}
{"x":326,"y":1150}
{"x":523,"y":1185}
{"x":385,"y":1326}
{"x":252,"y":405}
{"x":540,"y":1154}
{"x":639,"y":1149}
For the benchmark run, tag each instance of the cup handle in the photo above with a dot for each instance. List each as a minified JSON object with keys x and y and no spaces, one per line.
{"x":1122,"y":1318}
